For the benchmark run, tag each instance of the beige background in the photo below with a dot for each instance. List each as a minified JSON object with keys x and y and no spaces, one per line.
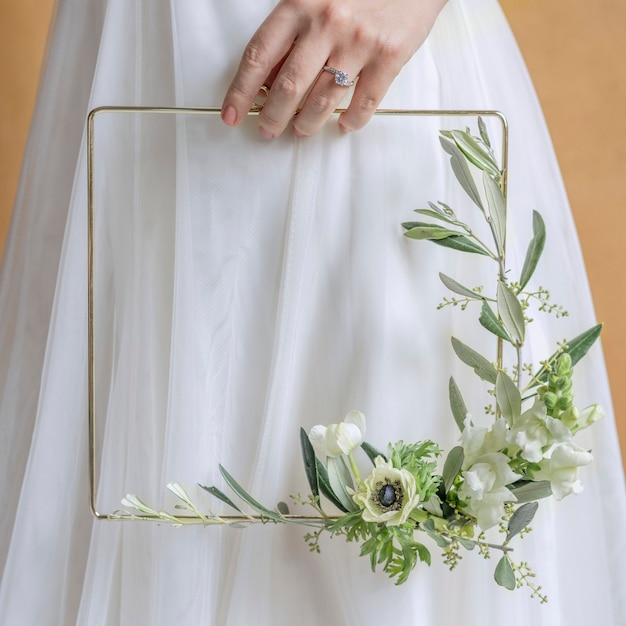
{"x":575,"y":51}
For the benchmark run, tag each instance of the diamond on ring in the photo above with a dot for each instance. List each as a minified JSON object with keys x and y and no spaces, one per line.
{"x":341,"y":78}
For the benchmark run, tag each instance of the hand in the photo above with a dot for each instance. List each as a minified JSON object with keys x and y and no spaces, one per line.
{"x":371,"y":39}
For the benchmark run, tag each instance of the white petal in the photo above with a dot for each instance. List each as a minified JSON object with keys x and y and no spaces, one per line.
{"x":332,"y":445}
{"x":317,"y":437}
{"x":349,"y":437}
{"x":357,"y":418}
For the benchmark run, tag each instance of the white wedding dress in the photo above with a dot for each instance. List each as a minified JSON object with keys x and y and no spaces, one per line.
{"x":244,"y":289}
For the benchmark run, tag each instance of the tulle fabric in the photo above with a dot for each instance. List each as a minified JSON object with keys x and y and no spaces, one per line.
{"x":245,"y":289}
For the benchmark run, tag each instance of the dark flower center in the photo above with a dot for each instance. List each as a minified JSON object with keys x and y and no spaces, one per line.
{"x":388,"y":495}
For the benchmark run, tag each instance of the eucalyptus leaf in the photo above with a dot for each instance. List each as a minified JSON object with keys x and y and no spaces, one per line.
{"x":520,"y":519}
{"x":325,"y":487}
{"x":468,"y":544}
{"x":532,"y":490}
{"x":475,"y":153}
{"x":283,"y":508}
{"x":481,"y":366}
{"x":457,"y":404}
{"x":497,"y":210}
{"x":511,"y":312}
{"x":429,"y":529}
{"x":504,"y":574}
{"x":247,"y":498}
{"x":308,"y":458}
{"x":456,"y":287}
{"x":372,"y":452}
{"x":462,"y":171}
{"x":452,"y":466}
{"x":339,"y":478}
{"x":508,"y":398}
{"x":535,"y":249}
{"x":489,"y":320}
{"x":214,"y":491}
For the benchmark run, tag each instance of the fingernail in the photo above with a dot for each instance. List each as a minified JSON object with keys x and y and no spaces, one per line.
{"x":265,"y":134}
{"x":229,"y":115}
{"x":344,"y":129}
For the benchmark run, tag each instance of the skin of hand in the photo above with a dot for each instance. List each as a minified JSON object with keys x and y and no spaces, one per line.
{"x":371,"y":39}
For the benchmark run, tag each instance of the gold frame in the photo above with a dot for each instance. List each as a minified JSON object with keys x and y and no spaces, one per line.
{"x":93,"y":476}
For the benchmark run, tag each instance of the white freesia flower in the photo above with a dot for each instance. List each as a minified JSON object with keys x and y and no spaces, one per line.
{"x":561,"y":468}
{"x":478,"y":440}
{"x":388,"y":495}
{"x":576,"y":420}
{"x":338,"y":439}
{"x":534,"y":431}
{"x":484,"y":488}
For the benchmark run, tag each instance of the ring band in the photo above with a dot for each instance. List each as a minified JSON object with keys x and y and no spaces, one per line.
{"x":341,"y":78}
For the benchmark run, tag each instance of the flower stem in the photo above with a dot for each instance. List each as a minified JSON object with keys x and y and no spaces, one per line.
{"x":355,"y":469}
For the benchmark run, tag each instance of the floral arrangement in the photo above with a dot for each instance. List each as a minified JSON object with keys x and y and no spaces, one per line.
{"x":495,"y":476}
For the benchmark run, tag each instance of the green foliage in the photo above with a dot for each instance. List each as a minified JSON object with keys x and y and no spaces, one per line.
{"x":420,"y":460}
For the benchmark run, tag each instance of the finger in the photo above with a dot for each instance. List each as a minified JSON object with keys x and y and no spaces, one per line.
{"x":264,"y":51}
{"x":298,"y":73}
{"x":327,"y":93}
{"x":370,"y":89}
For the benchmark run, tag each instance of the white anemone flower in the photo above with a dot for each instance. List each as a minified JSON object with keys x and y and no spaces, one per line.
{"x":337,"y":439}
{"x":388,"y":495}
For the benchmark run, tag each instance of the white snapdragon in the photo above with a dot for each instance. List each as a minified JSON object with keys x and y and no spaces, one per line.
{"x":576,"y":420}
{"x":337,"y":439}
{"x":561,"y":468}
{"x":479,"y":440}
{"x":485,"y":489}
{"x":534,"y":431}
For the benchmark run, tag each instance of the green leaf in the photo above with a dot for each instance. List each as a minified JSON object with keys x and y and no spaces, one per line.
{"x":429,"y":529}
{"x":456,"y":287}
{"x":431,"y":231}
{"x":325,"y":487}
{"x":520,"y":519}
{"x":423,"y":552}
{"x":532,"y":490}
{"x":457,"y":241}
{"x":372,"y":452}
{"x":452,"y":466}
{"x":579,"y":346}
{"x":474,"y":152}
{"x":436,"y":214}
{"x":535,"y":248}
{"x":457,"y":404}
{"x":511,"y":312}
{"x":508,"y":398}
{"x":489,"y":320}
{"x":482,"y":129}
{"x":481,"y":366}
{"x":214,"y":491}
{"x":461,"y":171}
{"x":246,"y":497}
{"x":339,"y":478}
{"x":576,"y":348}
{"x":497,"y":209}
{"x":468,"y":544}
{"x":504,"y":574}
{"x":461,"y":243}
{"x":283,"y":508}
{"x":308,"y":458}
